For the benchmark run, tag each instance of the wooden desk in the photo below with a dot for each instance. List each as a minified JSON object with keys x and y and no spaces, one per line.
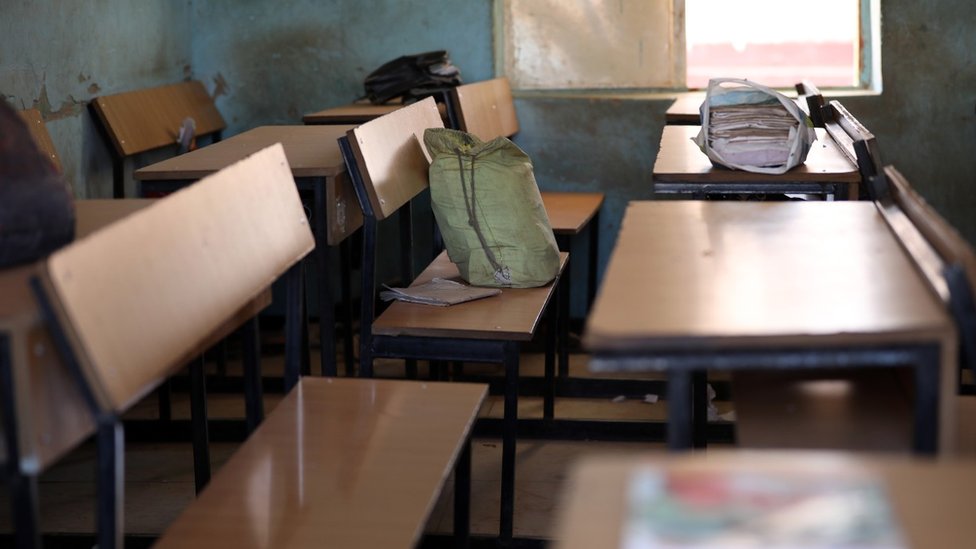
{"x":700,"y":285}
{"x":682,"y":168}
{"x":316,"y":164}
{"x":931,"y":501}
{"x":353,"y":113}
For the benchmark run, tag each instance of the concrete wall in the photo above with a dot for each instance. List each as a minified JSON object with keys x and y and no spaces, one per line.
{"x":57,"y":55}
{"x":270,"y":62}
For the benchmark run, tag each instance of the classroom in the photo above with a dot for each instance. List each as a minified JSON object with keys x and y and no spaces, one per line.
{"x":186,"y":374}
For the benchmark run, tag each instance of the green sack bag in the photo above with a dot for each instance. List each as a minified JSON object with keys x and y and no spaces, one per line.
{"x":489,"y":211}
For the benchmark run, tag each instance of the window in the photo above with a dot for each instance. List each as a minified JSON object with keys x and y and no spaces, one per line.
{"x":669,"y":44}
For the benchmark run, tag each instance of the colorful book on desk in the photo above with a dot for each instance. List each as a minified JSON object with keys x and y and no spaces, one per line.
{"x":771,"y":510}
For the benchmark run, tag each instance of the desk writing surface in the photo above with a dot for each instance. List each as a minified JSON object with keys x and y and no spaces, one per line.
{"x":685,"y":109}
{"x":312,"y":151}
{"x":680,"y":160}
{"x":353,"y":463}
{"x":719,"y":274}
{"x":930,"y":501}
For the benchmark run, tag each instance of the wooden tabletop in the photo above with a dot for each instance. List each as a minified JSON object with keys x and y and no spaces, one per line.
{"x":680,"y":160}
{"x":340,"y":462}
{"x":685,"y":110}
{"x":499,"y":317}
{"x":570,"y":212}
{"x":728,"y":274}
{"x":353,"y":113}
{"x":930,"y":501}
{"x":312,"y":151}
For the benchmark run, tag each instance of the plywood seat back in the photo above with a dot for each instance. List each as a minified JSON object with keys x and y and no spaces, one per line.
{"x":137,"y":298}
{"x":487,"y":109}
{"x":853,"y":139}
{"x":35,"y":123}
{"x":390,"y":154}
{"x":143,"y":120}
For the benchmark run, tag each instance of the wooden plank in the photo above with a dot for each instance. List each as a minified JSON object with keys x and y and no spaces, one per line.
{"x":348,"y":463}
{"x":391,"y":155}
{"x":685,"y":110}
{"x":143,"y":120}
{"x":596,"y":506}
{"x":239,"y":230}
{"x":512,"y":315}
{"x":35,"y":123}
{"x":680,"y":160}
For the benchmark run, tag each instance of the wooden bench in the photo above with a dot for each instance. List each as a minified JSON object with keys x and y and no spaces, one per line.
{"x":869,"y":411}
{"x":487,"y":110}
{"x":35,"y":123}
{"x":389,"y":167}
{"x":139,"y":121}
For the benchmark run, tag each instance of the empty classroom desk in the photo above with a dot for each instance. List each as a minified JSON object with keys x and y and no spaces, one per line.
{"x":929,"y":502}
{"x":709,"y":285}
{"x":682,"y":168}
{"x":685,"y":110}
{"x":316,"y":164}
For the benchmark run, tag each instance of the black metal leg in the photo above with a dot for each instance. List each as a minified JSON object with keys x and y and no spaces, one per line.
{"x":110,"y":487}
{"x":926,"y":428}
{"x":22,"y":487}
{"x":198,"y":416}
{"x":462,"y":497}
{"x":345,"y":276}
{"x":593,"y":256}
{"x":222,"y":358}
{"x":294,"y":305}
{"x":326,"y":302}
{"x":699,"y":384}
{"x":679,"y":409}
{"x":509,"y":432}
{"x":553,"y":324}
{"x":562,"y":331}
{"x":253,"y":392}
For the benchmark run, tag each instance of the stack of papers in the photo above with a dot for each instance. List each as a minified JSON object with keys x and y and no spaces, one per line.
{"x":752,"y":134}
{"x":439,"y":291}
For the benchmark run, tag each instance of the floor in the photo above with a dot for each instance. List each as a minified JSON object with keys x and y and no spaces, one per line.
{"x":159,"y":476}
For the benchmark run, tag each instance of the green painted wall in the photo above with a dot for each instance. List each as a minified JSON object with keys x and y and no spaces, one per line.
{"x":270,"y":62}
{"x":58,"y":55}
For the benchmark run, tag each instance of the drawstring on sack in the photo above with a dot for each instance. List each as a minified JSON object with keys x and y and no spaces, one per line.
{"x":502,"y":273}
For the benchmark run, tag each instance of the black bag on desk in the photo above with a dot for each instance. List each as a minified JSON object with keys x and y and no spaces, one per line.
{"x":36,"y":208}
{"x":412,"y":77}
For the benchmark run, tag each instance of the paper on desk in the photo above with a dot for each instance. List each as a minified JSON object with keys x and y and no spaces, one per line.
{"x":439,"y":291}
